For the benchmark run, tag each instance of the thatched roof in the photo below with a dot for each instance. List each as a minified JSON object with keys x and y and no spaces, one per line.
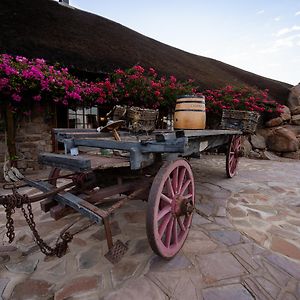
{"x":44,"y":28}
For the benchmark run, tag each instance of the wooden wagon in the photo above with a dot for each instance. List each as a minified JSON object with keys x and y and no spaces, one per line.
{"x":154,"y":168}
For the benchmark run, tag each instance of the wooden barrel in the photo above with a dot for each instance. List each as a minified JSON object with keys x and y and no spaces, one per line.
{"x":190,"y":112}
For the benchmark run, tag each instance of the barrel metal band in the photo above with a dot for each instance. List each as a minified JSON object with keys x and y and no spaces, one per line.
{"x":203,"y":110}
{"x":191,"y":101}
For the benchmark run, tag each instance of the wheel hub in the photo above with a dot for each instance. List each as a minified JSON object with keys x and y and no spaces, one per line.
{"x":181,"y":206}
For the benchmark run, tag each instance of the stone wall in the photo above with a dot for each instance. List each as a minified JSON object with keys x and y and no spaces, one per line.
{"x":32,"y":137}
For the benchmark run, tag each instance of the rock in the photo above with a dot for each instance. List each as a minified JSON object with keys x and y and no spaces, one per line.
{"x":274,"y":122}
{"x":270,"y":156}
{"x":285,"y":247}
{"x":294,"y":97}
{"x":31,"y":289}
{"x":218,"y":266}
{"x":282,"y":140}
{"x":246,"y":148}
{"x":265,"y":132}
{"x":24,"y":267}
{"x":258,"y":141}
{"x":78,"y":285}
{"x":227,"y":292}
{"x":295,"y":120}
{"x":292,"y":155}
{"x":286,"y":113}
{"x":296,"y":110}
{"x":254,"y":155}
{"x":227,"y":237}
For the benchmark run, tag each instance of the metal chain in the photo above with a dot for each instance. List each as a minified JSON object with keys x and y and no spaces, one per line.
{"x":16,"y":200}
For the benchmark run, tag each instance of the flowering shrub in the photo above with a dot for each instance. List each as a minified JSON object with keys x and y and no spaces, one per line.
{"x":243,"y":98}
{"x":25,"y":83}
{"x":139,"y":87}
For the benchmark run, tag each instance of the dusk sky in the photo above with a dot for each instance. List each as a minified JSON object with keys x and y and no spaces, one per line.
{"x":262,"y":37}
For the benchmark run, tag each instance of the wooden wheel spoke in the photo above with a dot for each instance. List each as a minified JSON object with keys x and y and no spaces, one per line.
{"x":175,"y":233}
{"x":169,"y":233}
{"x":188,"y":196}
{"x":166,"y":198}
{"x":186,"y":184}
{"x":163,"y":225}
{"x":170,"y":187}
{"x":163,"y":212}
{"x":181,"y":225}
{"x":181,"y":178}
{"x":175,"y":180}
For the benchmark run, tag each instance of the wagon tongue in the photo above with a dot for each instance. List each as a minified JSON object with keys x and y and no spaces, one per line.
{"x":116,"y":252}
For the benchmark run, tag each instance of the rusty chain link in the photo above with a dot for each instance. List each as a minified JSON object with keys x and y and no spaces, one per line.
{"x":15,"y":200}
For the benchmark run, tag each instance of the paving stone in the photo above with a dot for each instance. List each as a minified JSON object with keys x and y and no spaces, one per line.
{"x":207,"y":208}
{"x":78,"y":285}
{"x":100,"y":234}
{"x":198,"y":246}
{"x":227,"y":292}
{"x":141,"y":247}
{"x":221,"y":212}
{"x":289,"y":296}
{"x":31,"y":289}
{"x":7,"y":248}
{"x":4,"y":258}
{"x":257,"y":236}
{"x":223,"y":222}
{"x":140,"y":288}
{"x":246,"y":260}
{"x":89,"y":258}
{"x":291,"y":267}
{"x":272,"y":289}
{"x":179,"y":262}
{"x":123,"y":270}
{"x":256,"y":289}
{"x":281,"y":277}
{"x":25,"y":267}
{"x":237,"y":212}
{"x":135,"y":217}
{"x":217,"y":266}
{"x":198,"y":220}
{"x":3,"y":284}
{"x":227,"y":237}
{"x":58,"y":269}
{"x":286,"y":248}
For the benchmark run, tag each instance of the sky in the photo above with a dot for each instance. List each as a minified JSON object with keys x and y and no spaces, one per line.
{"x":262,"y":37}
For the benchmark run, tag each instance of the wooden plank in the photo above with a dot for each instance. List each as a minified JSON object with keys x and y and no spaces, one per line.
{"x":206,"y":132}
{"x":73,"y":163}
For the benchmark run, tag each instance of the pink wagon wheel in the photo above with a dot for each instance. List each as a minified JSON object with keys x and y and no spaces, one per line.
{"x":232,"y":156}
{"x":170,"y":208}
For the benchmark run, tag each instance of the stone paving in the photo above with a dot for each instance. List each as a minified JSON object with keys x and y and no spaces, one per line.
{"x":244,"y":245}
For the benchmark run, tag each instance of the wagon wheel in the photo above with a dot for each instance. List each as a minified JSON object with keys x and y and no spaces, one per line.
{"x":232,"y":155}
{"x":170,"y":208}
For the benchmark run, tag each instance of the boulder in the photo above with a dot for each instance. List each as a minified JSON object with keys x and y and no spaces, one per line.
{"x":246,"y":148}
{"x":286,"y":113}
{"x":292,"y":155}
{"x":270,"y":156}
{"x":282,"y":140}
{"x":294,"y":97}
{"x":295,"y":120}
{"x":296,"y":110}
{"x":274,"y":122}
{"x":258,"y":141}
{"x":294,"y":128}
{"x":265,"y":132}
